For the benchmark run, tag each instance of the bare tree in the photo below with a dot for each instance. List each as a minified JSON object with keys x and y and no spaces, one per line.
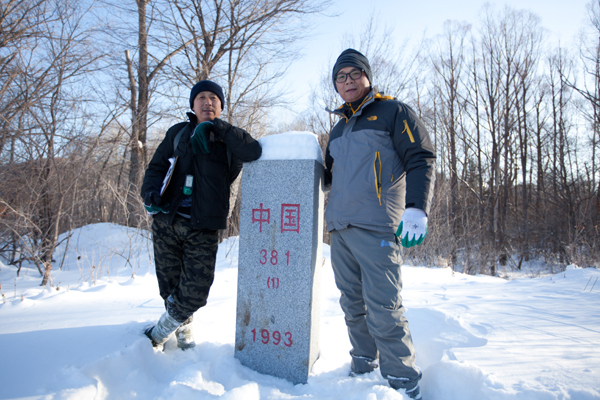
{"x":448,"y":64}
{"x":505,"y":42}
{"x":140,"y":84}
{"x":530,"y":49}
{"x":589,"y":51}
{"x":563,"y":193}
{"x":20,"y":23}
{"x":51,"y":125}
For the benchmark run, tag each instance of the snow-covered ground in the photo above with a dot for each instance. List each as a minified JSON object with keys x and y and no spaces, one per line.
{"x":477,"y":337}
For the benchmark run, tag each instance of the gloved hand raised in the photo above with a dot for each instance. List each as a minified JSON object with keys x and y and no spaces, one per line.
{"x":199,"y":140}
{"x":413,"y":227}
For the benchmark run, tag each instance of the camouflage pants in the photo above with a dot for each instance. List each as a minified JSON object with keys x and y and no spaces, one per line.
{"x":185,"y":265}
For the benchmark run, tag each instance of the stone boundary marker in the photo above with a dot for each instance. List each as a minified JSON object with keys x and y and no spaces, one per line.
{"x":280,"y":256}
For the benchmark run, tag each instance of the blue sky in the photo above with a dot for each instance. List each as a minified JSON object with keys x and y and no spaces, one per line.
{"x":411,"y":19}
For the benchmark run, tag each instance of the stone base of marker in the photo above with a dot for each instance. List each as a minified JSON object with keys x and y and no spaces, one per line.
{"x":280,"y":256}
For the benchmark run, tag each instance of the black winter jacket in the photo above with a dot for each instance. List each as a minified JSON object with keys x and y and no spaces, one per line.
{"x":213,"y":172}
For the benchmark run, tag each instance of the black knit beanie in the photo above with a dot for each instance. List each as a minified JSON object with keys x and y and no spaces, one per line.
{"x":352,"y":58}
{"x":207,"y":86}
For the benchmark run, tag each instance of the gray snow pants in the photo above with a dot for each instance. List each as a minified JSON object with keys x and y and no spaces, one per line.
{"x":366,"y":265}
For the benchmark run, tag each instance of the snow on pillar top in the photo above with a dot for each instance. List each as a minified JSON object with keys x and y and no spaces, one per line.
{"x":294,"y":145}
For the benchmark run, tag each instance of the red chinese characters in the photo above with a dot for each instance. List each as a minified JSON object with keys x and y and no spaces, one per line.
{"x":264,"y":215}
{"x":290,"y":217}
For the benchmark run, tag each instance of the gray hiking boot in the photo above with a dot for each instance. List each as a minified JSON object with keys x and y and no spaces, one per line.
{"x":160,"y":332}
{"x":185,"y":336}
{"x":362,"y":365}
{"x":414,"y":393}
{"x":404,"y":385}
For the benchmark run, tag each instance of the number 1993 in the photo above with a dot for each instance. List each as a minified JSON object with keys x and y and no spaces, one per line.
{"x":267,"y":337}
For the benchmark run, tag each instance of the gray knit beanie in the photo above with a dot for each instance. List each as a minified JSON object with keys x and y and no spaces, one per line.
{"x":352,"y":58}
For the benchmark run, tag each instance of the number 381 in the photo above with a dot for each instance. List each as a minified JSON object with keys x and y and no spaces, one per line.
{"x":273,"y":257}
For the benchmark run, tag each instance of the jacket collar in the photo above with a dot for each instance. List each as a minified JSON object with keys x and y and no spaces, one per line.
{"x":192,"y":117}
{"x":346,"y":110}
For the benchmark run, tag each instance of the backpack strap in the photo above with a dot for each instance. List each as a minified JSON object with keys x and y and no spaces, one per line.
{"x":178,"y":138}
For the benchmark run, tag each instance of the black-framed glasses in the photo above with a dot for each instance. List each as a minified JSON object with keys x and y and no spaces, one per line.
{"x":354,"y":75}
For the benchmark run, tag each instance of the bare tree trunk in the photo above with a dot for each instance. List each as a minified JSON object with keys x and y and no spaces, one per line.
{"x":447,"y":65}
{"x":139,"y":117}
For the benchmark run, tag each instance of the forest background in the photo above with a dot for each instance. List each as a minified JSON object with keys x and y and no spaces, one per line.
{"x":89,"y":87}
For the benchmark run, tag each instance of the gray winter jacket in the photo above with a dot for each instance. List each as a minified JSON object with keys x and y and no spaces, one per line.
{"x":378,"y":161}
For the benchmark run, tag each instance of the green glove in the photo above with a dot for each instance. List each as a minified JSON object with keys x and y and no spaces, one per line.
{"x":154,"y":209}
{"x":152,"y":203}
{"x":413,"y":227}
{"x":199,"y":142}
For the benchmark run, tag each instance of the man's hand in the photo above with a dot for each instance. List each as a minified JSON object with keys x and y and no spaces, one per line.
{"x":152,"y":198}
{"x":152,"y":202}
{"x":199,"y":141}
{"x":413,"y":227}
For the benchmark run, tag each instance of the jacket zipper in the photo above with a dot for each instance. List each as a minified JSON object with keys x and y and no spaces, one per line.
{"x":377,"y":175}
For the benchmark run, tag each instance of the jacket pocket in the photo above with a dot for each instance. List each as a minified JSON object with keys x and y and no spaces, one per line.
{"x":377,"y":167}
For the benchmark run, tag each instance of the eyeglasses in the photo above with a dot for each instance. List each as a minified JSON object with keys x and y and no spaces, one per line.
{"x":354,"y":75}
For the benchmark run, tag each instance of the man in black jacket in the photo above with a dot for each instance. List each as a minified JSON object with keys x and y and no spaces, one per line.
{"x":205,"y":156}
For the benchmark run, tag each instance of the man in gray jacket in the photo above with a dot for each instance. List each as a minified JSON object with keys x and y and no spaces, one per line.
{"x":380,"y":169}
